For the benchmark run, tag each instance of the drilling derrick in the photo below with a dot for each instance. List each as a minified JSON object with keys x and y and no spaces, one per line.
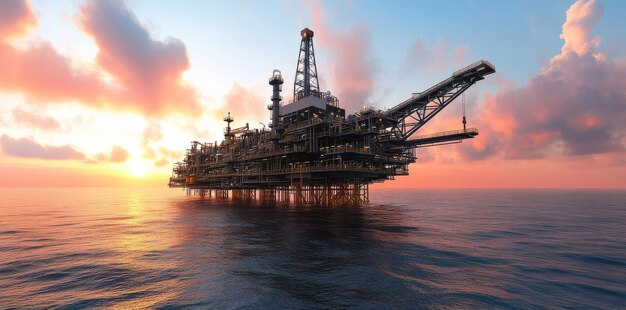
{"x":306,"y":82}
{"x":314,"y":153}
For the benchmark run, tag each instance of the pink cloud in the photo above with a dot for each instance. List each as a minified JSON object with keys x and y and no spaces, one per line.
{"x":149,"y":71}
{"x":15,"y":17}
{"x":44,"y":75}
{"x":352,"y":70}
{"x":27,"y":148}
{"x":39,"y":71}
{"x":244,"y":104}
{"x":35,"y":120}
{"x":461,"y":55}
{"x":575,"y":106}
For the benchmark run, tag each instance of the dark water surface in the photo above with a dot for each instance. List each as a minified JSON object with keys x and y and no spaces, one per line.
{"x":153,"y":248}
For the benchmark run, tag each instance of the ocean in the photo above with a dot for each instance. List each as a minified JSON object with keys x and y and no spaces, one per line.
{"x":413,"y":249}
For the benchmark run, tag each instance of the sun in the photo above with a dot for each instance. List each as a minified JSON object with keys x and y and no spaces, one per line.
{"x":138,"y":168}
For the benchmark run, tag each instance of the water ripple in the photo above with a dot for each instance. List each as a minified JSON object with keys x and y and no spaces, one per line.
{"x":154,"y":248}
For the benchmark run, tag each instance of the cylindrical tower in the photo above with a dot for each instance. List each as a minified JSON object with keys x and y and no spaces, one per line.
{"x":276,"y":81}
{"x":228,"y":119}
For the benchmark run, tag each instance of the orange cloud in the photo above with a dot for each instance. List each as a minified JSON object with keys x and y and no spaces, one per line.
{"x":118,"y":154}
{"x":161,"y":162}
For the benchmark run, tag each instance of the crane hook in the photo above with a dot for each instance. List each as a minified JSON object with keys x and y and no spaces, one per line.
{"x":464,"y":120}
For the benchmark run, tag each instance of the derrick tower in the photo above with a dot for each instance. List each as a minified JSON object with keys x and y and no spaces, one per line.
{"x":306,"y":82}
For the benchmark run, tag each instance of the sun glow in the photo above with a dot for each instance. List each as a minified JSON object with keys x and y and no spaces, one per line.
{"x":138,"y":167}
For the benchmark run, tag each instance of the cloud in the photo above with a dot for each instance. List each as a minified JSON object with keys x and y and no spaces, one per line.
{"x":151,"y":134}
{"x":244,"y":104}
{"x":160,"y":155}
{"x":44,"y":75}
{"x":171,"y":154}
{"x":149,"y":70}
{"x":15,"y":18}
{"x":118,"y":154}
{"x":433,"y":58}
{"x":576,"y":105}
{"x":146,"y":73}
{"x":35,"y":120}
{"x":461,"y":54}
{"x":161,"y":162}
{"x":582,"y":16}
{"x":39,"y":71}
{"x":167,"y":156}
{"x":27,"y":148}
{"x":352,"y":70}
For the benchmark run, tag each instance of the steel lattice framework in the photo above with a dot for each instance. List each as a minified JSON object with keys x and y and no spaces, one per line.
{"x":306,"y":81}
{"x":410,"y":115}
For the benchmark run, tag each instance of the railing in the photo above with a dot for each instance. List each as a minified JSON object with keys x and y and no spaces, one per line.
{"x":342,"y":166}
{"x":343,"y":148}
{"x":299,"y":125}
{"x":474,"y":66}
{"x":419,"y":95}
{"x":327,"y":97}
{"x":298,"y":170}
{"x":276,"y":76}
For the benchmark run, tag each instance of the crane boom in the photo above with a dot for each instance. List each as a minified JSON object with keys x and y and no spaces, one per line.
{"x":408,"y":116}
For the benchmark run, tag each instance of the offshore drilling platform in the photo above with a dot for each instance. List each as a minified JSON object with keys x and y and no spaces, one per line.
{"x":315,"y":154}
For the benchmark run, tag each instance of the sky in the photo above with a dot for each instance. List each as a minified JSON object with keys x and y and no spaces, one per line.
{"x":110,"y":93}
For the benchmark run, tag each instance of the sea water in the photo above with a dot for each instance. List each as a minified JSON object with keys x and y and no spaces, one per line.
{"x":153,"y":248}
